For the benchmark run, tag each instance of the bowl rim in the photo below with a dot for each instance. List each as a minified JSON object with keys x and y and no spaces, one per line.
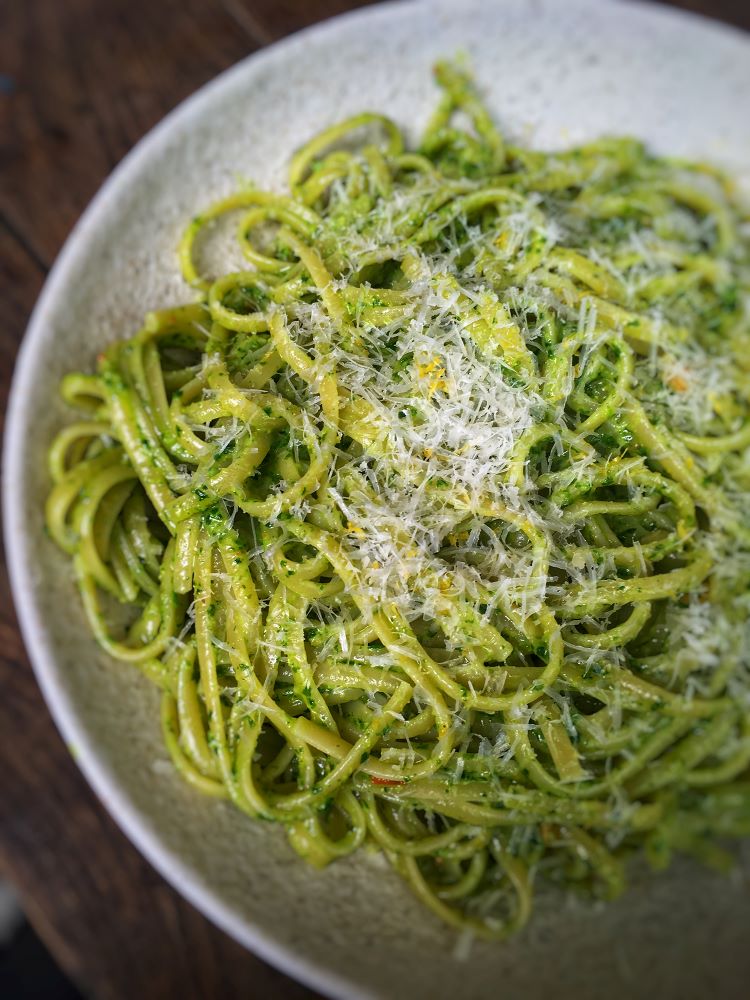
{"x":167,"y":862}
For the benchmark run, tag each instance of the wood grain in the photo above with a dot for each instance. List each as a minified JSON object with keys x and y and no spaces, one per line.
{"x":80,"y":82}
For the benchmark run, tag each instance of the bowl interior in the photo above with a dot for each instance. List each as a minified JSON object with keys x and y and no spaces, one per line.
{"x":554,"y":74}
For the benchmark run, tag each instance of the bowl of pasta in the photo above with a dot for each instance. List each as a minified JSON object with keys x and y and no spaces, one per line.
{"x":384,"y":552}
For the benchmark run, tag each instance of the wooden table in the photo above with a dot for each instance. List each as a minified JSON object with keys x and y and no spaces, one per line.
{"x":80,"y":83}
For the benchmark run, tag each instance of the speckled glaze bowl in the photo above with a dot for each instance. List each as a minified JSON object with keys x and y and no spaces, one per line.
{"x":554,"y":72}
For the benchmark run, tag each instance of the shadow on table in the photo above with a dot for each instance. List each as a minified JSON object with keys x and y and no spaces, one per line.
{"x":28,"y":971}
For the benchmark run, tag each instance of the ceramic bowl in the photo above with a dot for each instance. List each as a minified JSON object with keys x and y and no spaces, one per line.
{"x":553,"y":73}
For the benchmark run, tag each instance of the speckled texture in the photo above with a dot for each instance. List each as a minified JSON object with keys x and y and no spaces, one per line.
{"x":554,"y":73}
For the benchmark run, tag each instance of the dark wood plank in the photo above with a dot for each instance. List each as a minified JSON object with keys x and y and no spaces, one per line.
{"x":21,"y":276}
{"x":80,"y":82}
{"x":89,"y":78}
{"x":270,"y":20}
